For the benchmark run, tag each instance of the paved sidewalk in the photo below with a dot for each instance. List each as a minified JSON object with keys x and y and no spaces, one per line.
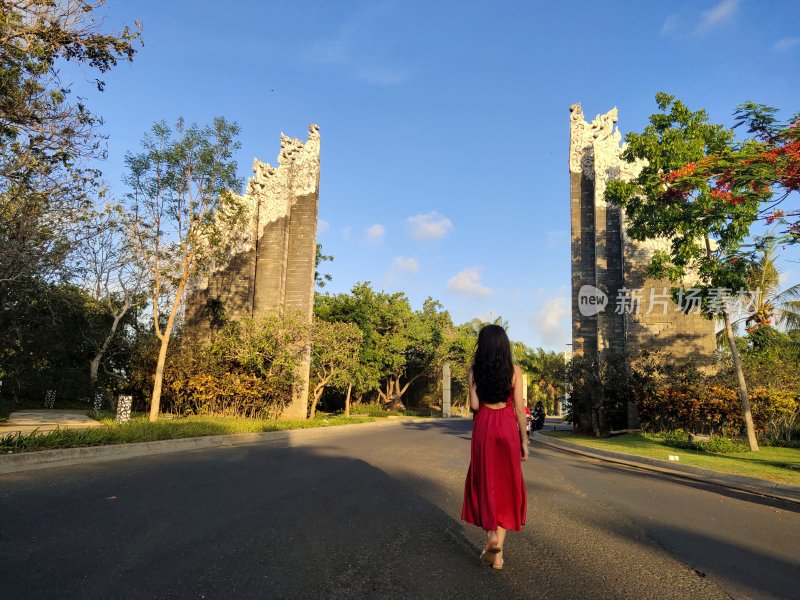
{"x":46,"y":419}
{"x":752,"y":485}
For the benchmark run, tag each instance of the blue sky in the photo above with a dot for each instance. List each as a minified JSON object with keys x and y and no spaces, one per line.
{"x":444,"y":125}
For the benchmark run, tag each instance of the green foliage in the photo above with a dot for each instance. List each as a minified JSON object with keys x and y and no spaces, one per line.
{"x":186,"y":217}
{"x":334,"y":356}
{"x":248,"y":369}
{"x":599,"y":393}
{"x":680,"y":197}
{"x":681,"y":397}
{"x":46,"y":140}
{"x":715,"y":444}
{"x":372,"y":410}
{"x":399,"y":344}
{"x":53,"y":336}
{"x":546,"y":373}
{"x":321,"y":279}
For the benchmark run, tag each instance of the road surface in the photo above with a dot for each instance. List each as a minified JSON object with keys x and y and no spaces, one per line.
{"x":374,"y":513}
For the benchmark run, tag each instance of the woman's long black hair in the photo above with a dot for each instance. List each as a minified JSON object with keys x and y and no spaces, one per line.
{"x":492,"y":368}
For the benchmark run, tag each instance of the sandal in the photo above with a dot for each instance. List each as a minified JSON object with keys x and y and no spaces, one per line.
{"x":499,"y":567}
{"x":489,"y":552}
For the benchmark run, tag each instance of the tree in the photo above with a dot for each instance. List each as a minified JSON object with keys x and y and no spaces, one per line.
{"x":692,"y":192}
{"x":770,"y":159}
{"x":768,"y":305}
{"x":400,"y":346}
{"x":186,"y":210}
{"x":110,"y":271}
{"x":46,"y":140}
{"x":334,"y":356}
{"x":321,"y":279}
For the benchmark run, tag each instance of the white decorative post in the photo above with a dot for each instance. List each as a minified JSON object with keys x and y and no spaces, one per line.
{"x":124,"y":409}
{"x":446,"y":390}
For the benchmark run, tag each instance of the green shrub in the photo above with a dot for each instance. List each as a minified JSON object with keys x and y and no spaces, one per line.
{"x":718,"y":444}
{"x":246,"y":369}
{"x":675,"y":438}
{"x":722,"y":445}
{"x":372,"y":410}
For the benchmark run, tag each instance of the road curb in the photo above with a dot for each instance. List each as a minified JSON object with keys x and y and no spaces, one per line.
{"x":45,"y":459}
{"x":752,"y":485}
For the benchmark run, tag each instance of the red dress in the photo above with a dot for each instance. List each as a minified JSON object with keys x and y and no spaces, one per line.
{"x":494,"y":493}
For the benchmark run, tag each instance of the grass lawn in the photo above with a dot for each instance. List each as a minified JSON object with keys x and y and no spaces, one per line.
{"x":139,"y":429}
{"x":774,"y":464}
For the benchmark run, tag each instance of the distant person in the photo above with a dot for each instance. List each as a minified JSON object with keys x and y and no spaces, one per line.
{"x":538,"y":416}
{"x":494,"y":493}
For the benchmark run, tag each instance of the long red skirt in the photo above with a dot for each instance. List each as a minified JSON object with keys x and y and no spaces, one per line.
{"x":494,"y":493}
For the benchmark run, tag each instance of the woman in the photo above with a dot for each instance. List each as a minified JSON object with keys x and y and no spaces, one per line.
{"x":494,"y":493}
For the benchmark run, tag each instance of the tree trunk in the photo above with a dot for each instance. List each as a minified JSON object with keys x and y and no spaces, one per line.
{"x":155,"y":402}
{"x":347,"y":401}
{"x":743,"y":396}
{"x":317,"y":393}
{"x":737,"y":365}
{"x":94,"y":364}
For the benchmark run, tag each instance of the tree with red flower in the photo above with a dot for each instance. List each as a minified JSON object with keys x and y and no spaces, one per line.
{"x":703,"y":190}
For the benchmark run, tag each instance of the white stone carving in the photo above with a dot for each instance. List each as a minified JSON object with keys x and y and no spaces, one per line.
{"x":579,"y":139}
{"x":271,"y":190}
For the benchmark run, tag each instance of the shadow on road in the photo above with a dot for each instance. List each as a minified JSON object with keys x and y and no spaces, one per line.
{"x":632,"y":471}
{"x":458,"y":427}
{"x":747,"y":571}
{"x":240,"y":522}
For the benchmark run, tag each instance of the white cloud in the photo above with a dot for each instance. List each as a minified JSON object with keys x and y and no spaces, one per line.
{"x":405,"y":263}
{"x":468,"y":283}
{"x":720,"y":13}
{"x":670,"y":25}
{"x":322,"y":226}
{"x":549,"y":321}
{"x":345,"y":47}
{"x":785,"y":44}
{"x":383,"y":76}
{"x":429,"y":226}
{"x":374,"y":233}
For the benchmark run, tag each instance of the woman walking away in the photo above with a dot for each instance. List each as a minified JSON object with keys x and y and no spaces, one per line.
{"x":494,"y":493}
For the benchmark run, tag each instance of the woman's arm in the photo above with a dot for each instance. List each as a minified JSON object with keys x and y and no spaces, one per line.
{"x":474,"y":403}
{"x":519,"y":410}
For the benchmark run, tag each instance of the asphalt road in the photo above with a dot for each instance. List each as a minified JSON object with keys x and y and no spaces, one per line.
{"x":374,"y":513}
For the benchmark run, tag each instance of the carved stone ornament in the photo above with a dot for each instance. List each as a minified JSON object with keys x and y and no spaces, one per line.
{"x":271,"y":190}
{"x":579,"y":139}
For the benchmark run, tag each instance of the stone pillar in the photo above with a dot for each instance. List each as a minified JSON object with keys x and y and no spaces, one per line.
{"x":604,"y":257}
{"x":525,"y":388}
{"x":446,"y":390}
{"x":271,"y":269}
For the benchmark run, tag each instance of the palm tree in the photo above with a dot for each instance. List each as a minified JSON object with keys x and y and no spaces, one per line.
{"x":770,"y":307}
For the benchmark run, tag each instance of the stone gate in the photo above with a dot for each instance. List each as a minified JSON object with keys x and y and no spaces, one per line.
{"x":606,"y":259}
{"x":271,"y":268}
